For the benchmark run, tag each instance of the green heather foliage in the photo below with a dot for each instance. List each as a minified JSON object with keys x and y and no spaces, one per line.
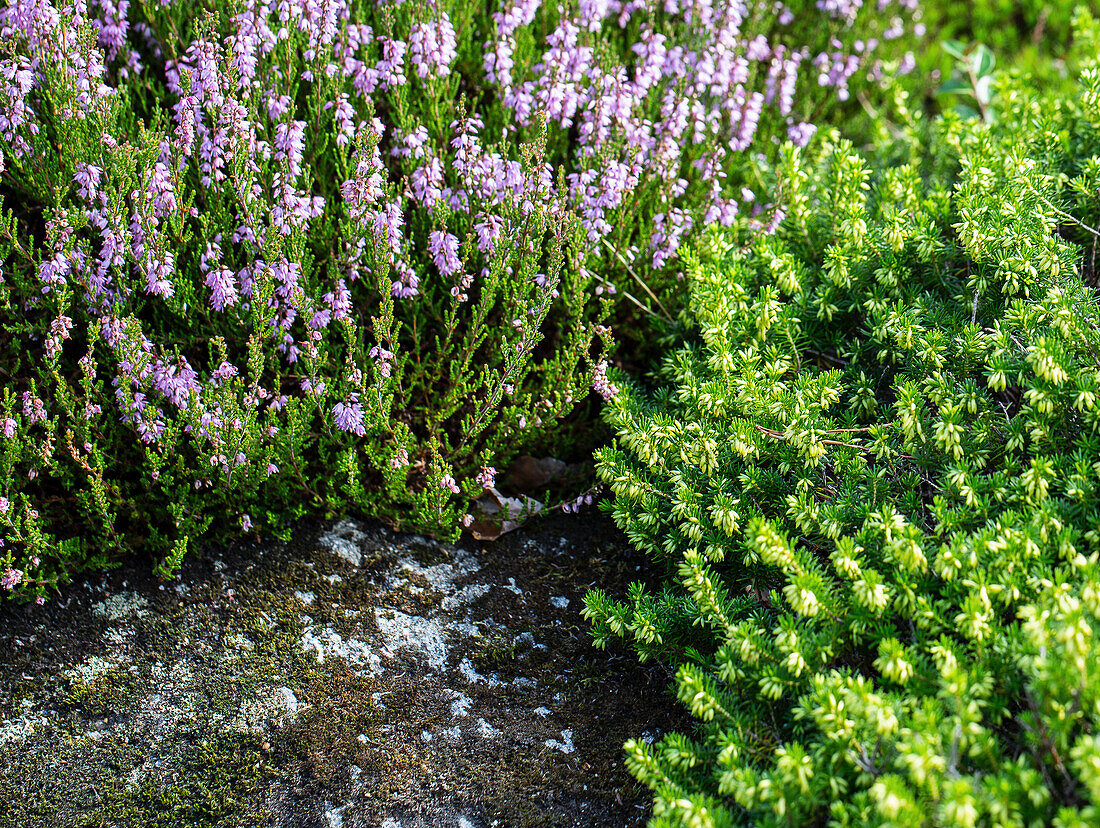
{"x":874,"y":478}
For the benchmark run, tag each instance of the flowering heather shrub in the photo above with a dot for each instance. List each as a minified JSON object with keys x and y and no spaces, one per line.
{"x":657,"y":103}
{"x":873,"y":480}
{"x":265,"y":258}
{"x":224,"y":301}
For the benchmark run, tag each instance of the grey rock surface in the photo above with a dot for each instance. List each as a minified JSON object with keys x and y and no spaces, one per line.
{"x":355,"y":677}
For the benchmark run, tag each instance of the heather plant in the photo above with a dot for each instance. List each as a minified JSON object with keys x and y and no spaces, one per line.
{"x":871,"y":476}
{"x":269,"y":259}
{"x":220,"y":306}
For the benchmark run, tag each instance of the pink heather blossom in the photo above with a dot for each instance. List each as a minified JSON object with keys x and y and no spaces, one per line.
{"x":800,"y":134}
{"x":33,"y":408}
{"x":488,"y":230}
{"x":574,"y":506}
{"x":246,"y":522}
{"x":432,"y":47}
{"x":407,"y":286}
{"x":307,"y":385}
{"x":444,"y":249}
{"x":487,"y":477}
{"x":5,"y":504}
{"x":401,"y":458}
{"x":383,"y":358}
{"x":344,"y":115}
{"x":349,"y":415}
{"x":87,"y":178}
{"x":600,"y":382}
{"x":11,"y":579}
{"x":222,"y":286}
{"x":289,"y":143}
{"x":8,"y":427}
{"x":449,"y":483}
{"x":224,"y":371}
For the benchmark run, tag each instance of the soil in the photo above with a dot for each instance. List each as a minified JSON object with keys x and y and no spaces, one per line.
{"x":354,"y":677}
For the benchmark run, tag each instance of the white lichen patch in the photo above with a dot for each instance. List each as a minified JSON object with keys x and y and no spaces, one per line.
{"x":236,"y":646}
{"x":565,"y":745}
{"x":121,"y":606}
{"x":252,"y":716}
{"x":118,"y":637}
{"x":328,"y":644}
{"x":559,"y":601}
{"x":443,"y":576}
{"x":88,"y":670}
{"x":304,"y":597}
{"x":344,"y":540}
{"x":424,"y":638}
{"x":287,"y":701}
{"x":19,"y":728}
{"x":334,"y":817}
{"x":460,"y":705}
{"x":466,"y":595}
{"x":467,"y":671}
{"x":541,"y":712}
{"x":486,"y":730}
{"x":135,"y":777}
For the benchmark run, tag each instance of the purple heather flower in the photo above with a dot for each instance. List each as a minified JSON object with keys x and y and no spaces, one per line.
{"x":290,"y":145}
{"x":488,"y":230}
{"x":432,"y":47}
{"x":349,"y":415}
{"x":224,"y":371}
{"x":448,"y":482}
{"x":800,"y":134}
{"x":33,"y":408}
{"x":600,"y":382}
{"x":11,"y":579}
{"x":407,"y":284}
{"x":383,"y":358}
{"x":444,"y":249}
{"x":87,"y":178}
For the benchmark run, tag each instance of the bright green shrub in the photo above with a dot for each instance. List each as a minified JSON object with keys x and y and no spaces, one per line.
{"x":874,"y":479}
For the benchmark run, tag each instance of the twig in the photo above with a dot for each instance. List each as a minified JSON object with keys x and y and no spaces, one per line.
{"x":638,"y":279}
{"x":1060,"y":213}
